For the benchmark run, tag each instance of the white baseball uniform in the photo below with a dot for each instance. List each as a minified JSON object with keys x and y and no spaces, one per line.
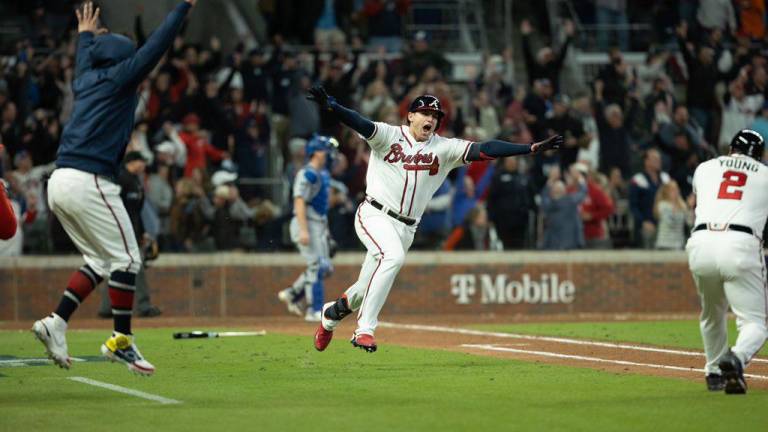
{"x":403,"y":174}
{"x":727,"y":263}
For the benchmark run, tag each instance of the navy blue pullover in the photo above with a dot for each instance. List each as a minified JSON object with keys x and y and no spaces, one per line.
{"x":108,"y":72}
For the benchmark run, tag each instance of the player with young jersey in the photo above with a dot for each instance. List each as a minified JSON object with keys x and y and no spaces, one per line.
{"x":309,"y":229}
{"x":725,"y":255}
{"x":408,"y":163}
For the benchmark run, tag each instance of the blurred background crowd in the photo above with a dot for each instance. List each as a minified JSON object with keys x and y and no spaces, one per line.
{"x":643,"y":92}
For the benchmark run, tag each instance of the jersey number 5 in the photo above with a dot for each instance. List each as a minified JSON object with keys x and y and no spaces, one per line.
{"x":731,"y":181}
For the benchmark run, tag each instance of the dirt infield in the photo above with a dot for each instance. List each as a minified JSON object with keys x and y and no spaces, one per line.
{"x":452,"y":333}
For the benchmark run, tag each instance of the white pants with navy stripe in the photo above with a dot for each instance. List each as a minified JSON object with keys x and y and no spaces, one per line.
{"x":387,"y":241}
{"x":729,"y":270}
{"x":93,"y":215}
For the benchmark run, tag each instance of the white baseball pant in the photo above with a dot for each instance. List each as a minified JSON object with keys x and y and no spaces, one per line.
{"x":93,"y":215}
{"x":387,"y":241}
{"x":729,"y":269}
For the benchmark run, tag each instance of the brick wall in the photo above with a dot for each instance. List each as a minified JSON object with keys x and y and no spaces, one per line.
{"x":430,"y":283}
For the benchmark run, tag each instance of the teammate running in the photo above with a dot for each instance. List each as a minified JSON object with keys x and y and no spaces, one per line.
{"x":725,"y":254}
{"x":309,"y":229}
{"x":82,"y":191}
{"x":407,"y":165}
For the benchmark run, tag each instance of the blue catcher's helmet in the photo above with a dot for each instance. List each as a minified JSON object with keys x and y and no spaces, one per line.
{"x":322,"y":143}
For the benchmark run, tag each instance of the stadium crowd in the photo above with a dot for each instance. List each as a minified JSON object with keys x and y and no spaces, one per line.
{"x":216,"y":126}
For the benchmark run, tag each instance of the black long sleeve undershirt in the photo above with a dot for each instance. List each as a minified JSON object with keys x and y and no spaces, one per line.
{"x":353,"y":119}
{"x":492,"y":149}
{"x":486,"y":150}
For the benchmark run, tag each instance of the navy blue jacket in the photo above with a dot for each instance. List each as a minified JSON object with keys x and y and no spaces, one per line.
{"x":107,"y":74}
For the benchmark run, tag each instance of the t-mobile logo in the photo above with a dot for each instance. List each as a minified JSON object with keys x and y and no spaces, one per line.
{"x":500,"y":289}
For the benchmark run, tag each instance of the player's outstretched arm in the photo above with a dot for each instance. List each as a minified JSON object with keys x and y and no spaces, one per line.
{"x":489,"y":150}
{"x":87,"y":26}
{"x":349,"y":117}
{"x":146,"y":58}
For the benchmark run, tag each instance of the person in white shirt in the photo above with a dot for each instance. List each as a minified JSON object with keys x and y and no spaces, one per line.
{"x":672,"y":213}
{"x":725,"y":255}
{"x":408,"y":163}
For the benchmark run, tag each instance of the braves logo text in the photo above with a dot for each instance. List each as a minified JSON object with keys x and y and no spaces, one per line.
{"x":412,"y":162}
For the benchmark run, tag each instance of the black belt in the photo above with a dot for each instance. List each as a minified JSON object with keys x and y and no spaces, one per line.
{"x":727,"y":227}
{"x":390,"y":213}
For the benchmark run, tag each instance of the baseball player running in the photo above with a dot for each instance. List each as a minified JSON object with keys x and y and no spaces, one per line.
{"x":82,"y":190}
{"x":309,"y":228}
{"x":408,"y":163}
{"x":725,"y":255}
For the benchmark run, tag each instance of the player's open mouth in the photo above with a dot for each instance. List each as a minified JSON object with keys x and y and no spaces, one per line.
{"x":426,"y":127}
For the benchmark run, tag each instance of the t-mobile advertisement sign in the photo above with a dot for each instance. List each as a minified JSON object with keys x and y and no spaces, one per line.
{"x":502,"y":289}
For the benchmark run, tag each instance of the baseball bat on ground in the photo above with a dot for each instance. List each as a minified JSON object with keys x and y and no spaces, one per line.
{"x":209,"y":334}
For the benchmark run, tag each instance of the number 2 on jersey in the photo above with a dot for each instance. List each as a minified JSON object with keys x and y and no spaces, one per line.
{"x":732,"y":180}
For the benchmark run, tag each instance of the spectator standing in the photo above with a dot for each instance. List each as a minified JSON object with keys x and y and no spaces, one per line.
{"x":252,"y":155}
{"x":230,"y":216}
{"x":547,"y":64}
{"x":421,"y":56}
{"x":613,"y":129}
{"x":672,"y":213}
{"x":255,"y":74}
{"x":595,"y":210}
{"x":716,"y":14}
{"x":189,"y":220}
{"x":160,"y":195}
{"x":612,"y":14}
{"x":702,"y":74}
{"x":341,"y":214}
{"x":642,"y":195}
{"x":563,"y":229}
{"x":738,"y":112}
{"x":616,"y":78}
{"x":565,"y":124}
{"x":199,"y":149}
{"x":510,"y":201}
{"x":752,"y":19}
{"x":385,"y":23}
{"x":537,"y":107}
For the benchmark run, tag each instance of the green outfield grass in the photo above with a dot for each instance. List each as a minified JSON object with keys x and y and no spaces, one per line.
{"x":679,"y":333}
{"x":279,"y":383}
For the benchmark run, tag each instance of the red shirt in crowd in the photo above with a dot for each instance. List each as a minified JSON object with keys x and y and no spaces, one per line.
{"x":600,"y":207}
{"x":198,"y":150}
{"x":7,"y":217}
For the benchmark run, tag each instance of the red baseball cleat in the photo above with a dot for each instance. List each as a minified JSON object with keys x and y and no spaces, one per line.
{"x":364,"y":341}
{"x":322,"y":337}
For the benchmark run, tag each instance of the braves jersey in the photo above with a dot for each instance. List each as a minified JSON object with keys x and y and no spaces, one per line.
{"x":403,"y":174}
{"x":312,"y":185}
{"x":732,"y":190}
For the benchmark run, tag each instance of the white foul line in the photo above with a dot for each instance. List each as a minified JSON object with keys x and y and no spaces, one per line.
{"x":27,"y":361}
{"x":594,"y":359}
{"x":126,"y":390}
{"x":471,"y":332}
